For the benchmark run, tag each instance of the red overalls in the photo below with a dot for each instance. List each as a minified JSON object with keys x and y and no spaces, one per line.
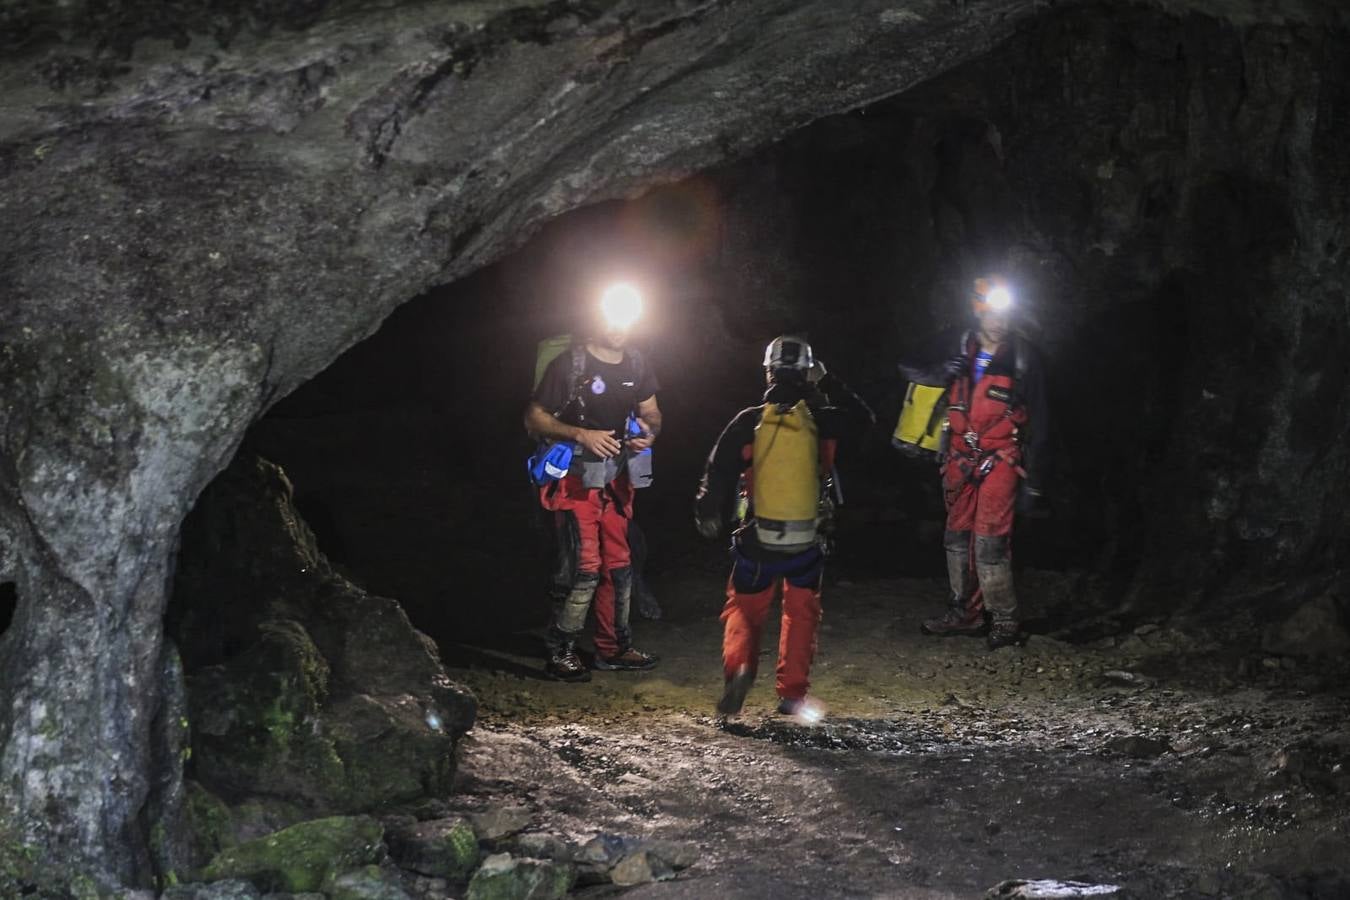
{"x":750,"y":593}
{"x":592,"y":529}
{"x":980,"y":481}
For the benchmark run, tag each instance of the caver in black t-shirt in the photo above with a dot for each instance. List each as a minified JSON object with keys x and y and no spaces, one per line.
{"x":609,"y":391}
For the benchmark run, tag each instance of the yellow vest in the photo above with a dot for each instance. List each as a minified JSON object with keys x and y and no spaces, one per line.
{"x":786,"y":472}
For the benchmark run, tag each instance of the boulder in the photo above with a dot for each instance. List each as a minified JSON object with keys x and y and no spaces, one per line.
{"x":443,"y":848}
{"x":220,"y":890}
{"x":505,"y":877}
{"x":305,"y":693}
{"x":499,"y":822}
{"x":368,"y":883}
{"x":1317,"y":628}
{"x":304,"y":857}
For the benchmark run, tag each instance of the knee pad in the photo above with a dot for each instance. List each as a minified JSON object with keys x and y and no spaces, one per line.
{"x":990,"y":550}
{"x":956,"y":540}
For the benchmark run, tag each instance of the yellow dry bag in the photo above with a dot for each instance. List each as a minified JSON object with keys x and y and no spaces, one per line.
{"x":786,"y":472}
{"x":920,"y":422}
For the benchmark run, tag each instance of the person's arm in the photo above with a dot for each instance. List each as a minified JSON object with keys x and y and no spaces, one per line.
{"x":649,"y":420}
{"x":937,"y":363}
{"x":541,"y":423}
{"x":716,"y":497}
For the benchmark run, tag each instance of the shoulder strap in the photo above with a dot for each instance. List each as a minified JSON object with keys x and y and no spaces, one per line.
{"x":634,"y":356}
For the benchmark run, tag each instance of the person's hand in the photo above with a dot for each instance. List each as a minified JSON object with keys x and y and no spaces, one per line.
{"x":709,"y":528}
{"x":1031,"y":502}
{"x":816,"y":373}
{"x":643,"y":441}
{"x":599,"y":443}
{"x":956,"y":366}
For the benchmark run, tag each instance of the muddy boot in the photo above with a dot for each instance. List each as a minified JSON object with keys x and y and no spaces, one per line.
{"x":647,"y":606}
{"x":563,"y":662}
{"x":994,"y":567}
{"x":733,"y":697}
{"x":965,"y":614}
{"x":630,"y":660}
{"x":1004,"y":634}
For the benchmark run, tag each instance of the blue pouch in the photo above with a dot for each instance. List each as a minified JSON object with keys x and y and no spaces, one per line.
{"x":549,"y":463}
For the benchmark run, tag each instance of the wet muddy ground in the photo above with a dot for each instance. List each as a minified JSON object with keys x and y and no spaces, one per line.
{"x":1170,"y":767}
{"x":1170,"y":757}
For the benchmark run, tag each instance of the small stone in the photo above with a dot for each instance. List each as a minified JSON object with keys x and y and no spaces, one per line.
{"x":441,"y":848}
{"x":633,"y":869}
{"x":499,"y":822}
{"x":1046,"y":889}
{"x":606,"y":849}
{"x":673,"y":853}
{"x":1137,"y":746}
{"x":545,"y":846}
{"x":369,"y":883}
{"x":1131,"y":679}
{"x":231,"y":889}
{"x":504,"y":877}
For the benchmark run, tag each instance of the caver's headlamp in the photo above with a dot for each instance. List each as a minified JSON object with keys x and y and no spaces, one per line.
{"x":621,"y":305}
{"x":992,"y":296}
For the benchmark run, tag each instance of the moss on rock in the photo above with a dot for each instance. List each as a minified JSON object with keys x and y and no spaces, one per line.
{"x":304,"y":857}
{"x":504,"y":877}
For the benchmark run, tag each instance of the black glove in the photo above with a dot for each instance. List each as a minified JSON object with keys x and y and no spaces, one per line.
{"x":1031,"y":502}
{"x":957,"y":366}
{"x":710,"y":528}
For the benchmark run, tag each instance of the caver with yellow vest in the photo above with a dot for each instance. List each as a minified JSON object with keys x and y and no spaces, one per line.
{"x":595,"y":415}
{"x":993,"y":462}
{"x":779,"y":457}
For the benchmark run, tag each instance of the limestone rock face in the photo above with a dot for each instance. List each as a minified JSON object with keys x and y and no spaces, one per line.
{"x":302,"y":688}
{"x":202,"y":203}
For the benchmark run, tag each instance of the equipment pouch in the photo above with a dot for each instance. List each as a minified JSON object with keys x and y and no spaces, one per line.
{"x":549,"y":463}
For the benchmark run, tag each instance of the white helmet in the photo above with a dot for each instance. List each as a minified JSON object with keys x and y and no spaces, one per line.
{"x":788,"y":352}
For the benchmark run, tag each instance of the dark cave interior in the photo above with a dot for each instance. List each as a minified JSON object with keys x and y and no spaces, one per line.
{"x":1157,"y":279}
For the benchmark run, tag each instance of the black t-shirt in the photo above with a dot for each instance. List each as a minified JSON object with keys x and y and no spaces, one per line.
{"x":609,"y":392}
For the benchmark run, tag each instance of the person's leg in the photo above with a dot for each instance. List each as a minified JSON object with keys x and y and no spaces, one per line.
{"x":965,"y":613}
{"x":993,"y":551}
{"x":575,"y":579}
{"x":749,"y":596}
{"x":643,"y":598}
{"x":613,"y":601}
{"x":801,"y":622}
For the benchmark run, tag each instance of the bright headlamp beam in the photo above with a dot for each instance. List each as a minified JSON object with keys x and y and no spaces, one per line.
{"x":622,"y":305}
{"x":1000,"y":299}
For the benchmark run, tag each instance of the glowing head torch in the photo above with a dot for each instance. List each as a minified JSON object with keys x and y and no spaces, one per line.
{"x":991,"y":296}
{"x":621,"y":305}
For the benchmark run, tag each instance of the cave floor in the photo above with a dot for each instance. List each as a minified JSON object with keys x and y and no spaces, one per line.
{"x":941,"y":769}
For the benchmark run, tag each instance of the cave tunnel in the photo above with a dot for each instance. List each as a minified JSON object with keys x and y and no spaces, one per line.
{"x":353,"y":698}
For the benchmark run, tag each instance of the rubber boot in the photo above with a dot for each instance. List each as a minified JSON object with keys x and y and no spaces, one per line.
{"x":563,"y":662}
{"x":733,"y":696}
{"x":994,"y":568}
{"x":965,"y":613}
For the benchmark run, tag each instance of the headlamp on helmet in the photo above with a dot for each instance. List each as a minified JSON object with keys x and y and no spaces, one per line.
{"x":788,"y":352}
{"x":992,"y":295}
{"x":621,"y":305}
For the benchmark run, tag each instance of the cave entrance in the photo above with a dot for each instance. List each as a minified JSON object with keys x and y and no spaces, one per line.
{"x":862,"y":231}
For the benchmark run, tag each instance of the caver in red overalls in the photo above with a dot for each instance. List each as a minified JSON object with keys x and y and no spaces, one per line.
{"x":980,"y":480}
{"x":759,"y":569}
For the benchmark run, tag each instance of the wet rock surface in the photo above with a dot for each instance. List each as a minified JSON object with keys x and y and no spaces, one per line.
{"x":307,"y":696}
